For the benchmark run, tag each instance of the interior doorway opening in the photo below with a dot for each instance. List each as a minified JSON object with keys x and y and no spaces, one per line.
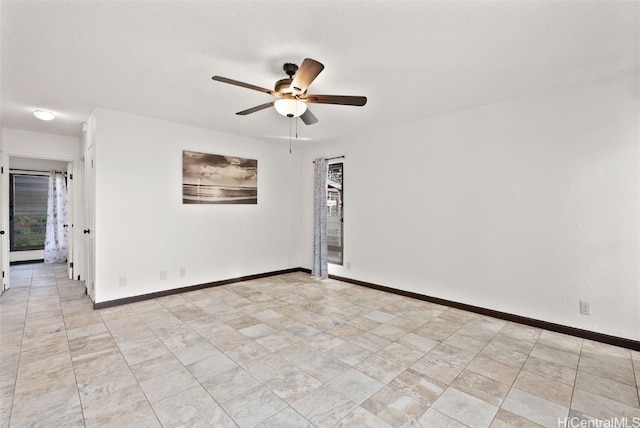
{"x":28,"y":194}
{"x":23,"y":219}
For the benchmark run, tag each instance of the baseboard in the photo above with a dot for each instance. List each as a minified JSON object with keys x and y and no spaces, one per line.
{"x":532,"y":322}
{"x":25,"y":262}
{"x":133,"y":299}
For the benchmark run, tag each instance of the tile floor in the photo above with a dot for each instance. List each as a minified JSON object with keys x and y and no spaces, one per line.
{"x":289,"y":351}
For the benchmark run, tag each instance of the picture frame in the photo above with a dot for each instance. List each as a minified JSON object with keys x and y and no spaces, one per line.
{"x":218,"y":179}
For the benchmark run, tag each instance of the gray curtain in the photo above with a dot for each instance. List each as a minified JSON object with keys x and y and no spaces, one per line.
{"x":320,"y":267}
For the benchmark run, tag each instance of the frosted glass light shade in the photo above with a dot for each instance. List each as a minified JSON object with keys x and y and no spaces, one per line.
{"x":44,"y":115}
{"x":290,"y":107}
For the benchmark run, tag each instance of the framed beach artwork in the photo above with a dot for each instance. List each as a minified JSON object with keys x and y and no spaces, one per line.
{"x":218,"y":179}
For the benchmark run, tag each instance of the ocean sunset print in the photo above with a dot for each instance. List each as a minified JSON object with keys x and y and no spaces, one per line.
{"x":218,"y":179}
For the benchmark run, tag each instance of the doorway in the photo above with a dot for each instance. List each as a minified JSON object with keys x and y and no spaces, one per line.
{"x":22,"y":216}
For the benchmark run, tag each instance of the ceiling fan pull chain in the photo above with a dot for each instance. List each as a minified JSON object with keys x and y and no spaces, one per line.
{"x":290,"y":135}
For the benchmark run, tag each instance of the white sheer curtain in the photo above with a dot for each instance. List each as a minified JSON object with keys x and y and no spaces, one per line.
{"x":55,"y":244}
{"x":320,"y":265}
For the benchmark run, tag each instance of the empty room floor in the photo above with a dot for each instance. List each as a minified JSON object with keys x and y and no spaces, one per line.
{"x":291,"y":351}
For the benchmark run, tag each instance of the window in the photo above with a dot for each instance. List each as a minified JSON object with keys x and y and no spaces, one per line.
{"x":334,"y":213}
{"x":28,"y":211}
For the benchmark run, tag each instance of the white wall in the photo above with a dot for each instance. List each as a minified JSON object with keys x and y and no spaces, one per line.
{"x":142,"y":227}
{"x":524,"y":206}
{"x":17,"y":142}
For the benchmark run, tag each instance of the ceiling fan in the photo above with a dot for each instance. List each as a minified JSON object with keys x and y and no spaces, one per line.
{"x":292,"y":92}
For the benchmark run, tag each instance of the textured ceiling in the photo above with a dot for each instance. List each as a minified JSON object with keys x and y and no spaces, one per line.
{"x":411,"y":59}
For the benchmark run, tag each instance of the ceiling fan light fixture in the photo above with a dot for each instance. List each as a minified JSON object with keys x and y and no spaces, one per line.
{"x":44,"y":115}
{"x":292,"y":92}
{"x":290,"y":107}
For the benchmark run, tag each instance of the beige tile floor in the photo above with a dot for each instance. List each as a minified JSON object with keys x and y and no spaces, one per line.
{"x":289,"y":351}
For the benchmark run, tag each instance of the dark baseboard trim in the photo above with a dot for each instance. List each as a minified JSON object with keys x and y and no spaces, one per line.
{"x":532,"y":322}
{"x":133,"y":299}
{"x":26,"y":262}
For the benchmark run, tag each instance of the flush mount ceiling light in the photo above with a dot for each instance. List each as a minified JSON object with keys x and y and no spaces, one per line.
{"x":44,"y":115}
{"x":290,"y":107}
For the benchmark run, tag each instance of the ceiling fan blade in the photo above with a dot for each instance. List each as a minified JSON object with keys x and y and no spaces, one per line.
{"x":244,"y":85}
{"x":346,"y":100}
{"x":308,"y":71}
{"x":308,"y":118}
{"x":256,"y":108}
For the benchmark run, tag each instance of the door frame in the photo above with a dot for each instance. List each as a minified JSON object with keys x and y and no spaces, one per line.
{"x":4,"y":208}
{"x":339,"y":161}
{"x":88,"y":240}
{"x":4,"y":222}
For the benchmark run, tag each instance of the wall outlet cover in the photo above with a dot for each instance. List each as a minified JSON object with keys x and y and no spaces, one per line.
{"x":585,"y":308}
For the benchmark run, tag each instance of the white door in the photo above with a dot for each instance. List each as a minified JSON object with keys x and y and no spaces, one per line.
{"x":89,"y":201}
{"x":4,"y":221}
{"x":70,"y":194}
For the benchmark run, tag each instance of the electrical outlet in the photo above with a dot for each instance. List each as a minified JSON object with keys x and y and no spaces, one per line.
{"x":585,"y":308}
{"x":183,"y":272}
{"x":163,"y":274}
{"x":348,"y":265}
{"x":122,"y":281}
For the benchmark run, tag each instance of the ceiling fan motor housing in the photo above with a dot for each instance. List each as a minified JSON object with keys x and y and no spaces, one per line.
{"x":283,"y":86}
